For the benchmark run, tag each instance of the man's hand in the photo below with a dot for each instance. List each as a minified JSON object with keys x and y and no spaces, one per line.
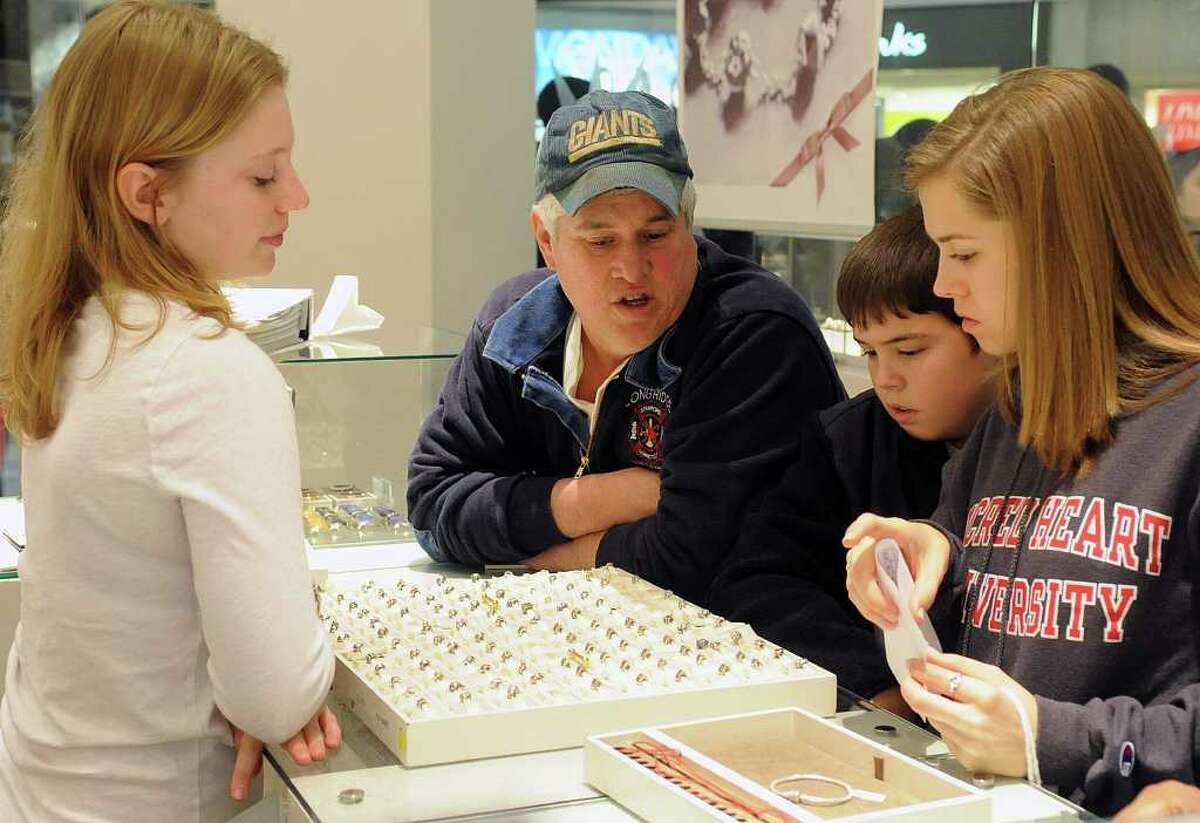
{"x":1170,"y":798}
{"x":579,"y":553}
{"x":596,"y":502}
{"x":320,"y":735}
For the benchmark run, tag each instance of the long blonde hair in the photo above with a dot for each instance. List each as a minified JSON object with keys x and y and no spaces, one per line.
{"x":1107,"y":284}
{"x":145,"y":82}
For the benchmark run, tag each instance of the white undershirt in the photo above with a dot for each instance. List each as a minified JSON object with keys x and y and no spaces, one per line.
{"x":573,"y":372}
{"x":165,"y":577}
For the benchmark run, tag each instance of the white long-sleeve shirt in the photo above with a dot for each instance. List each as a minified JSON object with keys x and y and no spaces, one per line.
{"x":165,"y":582}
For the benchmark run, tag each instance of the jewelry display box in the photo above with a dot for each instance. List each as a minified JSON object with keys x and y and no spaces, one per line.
{"x":723,"y":769}
{"x":445,"y":669}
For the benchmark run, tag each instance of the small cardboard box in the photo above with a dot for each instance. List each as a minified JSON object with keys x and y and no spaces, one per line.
{"x":724,"y":766}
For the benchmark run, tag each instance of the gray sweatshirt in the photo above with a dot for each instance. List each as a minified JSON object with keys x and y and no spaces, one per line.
{"x":1081,"y":590}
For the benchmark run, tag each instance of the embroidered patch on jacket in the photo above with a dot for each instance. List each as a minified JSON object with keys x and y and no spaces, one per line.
{"x":651,"y":408}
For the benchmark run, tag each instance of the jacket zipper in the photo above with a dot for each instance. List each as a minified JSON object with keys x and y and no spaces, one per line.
{"x":583,"y":462}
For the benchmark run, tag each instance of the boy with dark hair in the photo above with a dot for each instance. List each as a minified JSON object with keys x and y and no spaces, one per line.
{"x":881,"y":451}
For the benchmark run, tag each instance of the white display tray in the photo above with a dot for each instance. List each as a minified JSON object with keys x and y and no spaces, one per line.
{"x":445,"y":739}
{"x":744,"y":753}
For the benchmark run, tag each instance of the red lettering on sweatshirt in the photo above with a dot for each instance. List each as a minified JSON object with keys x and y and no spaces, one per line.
{"x":1041,"y":528}
{"x":987,"y":588}
{"x":1018,"y":599}
{"x":999,"y":596}
{"x":1080,"y":595}
{"x":1089,"y":538}
{"x":971,"y":530}
{"x":1116,"y":601}
{"x":1034,"y":606}
{"x":1033,"y":615}
{"x":1124,"y":537}
{"x":1082,"y":526}
{"x":972,"y":581}
{"x":1010,"y":529}
{"x":988,"y":524}
{"x":1060,"y":532}
{"x":1157,"y":527}
{"x":1050,"y":623}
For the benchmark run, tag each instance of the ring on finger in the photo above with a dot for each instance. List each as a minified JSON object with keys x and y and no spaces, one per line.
{"x":953,"y":683}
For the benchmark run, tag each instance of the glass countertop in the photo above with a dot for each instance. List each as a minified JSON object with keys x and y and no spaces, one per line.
{"x":491,"y":789}
{"x":392,"y":341}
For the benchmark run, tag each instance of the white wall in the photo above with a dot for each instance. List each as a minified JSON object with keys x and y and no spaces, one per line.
{"x":414,"y":136}
{"x":483,"y":106}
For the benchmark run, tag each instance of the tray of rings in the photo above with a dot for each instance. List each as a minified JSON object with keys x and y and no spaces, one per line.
{"x":778,"y":766}
{"x":444,"y":669}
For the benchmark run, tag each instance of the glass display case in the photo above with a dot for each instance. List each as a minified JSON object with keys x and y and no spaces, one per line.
{"x":359,"y":404}
{"x":366,"y":780}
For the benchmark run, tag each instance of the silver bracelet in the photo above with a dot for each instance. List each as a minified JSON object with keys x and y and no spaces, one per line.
{"x":848,"y":792}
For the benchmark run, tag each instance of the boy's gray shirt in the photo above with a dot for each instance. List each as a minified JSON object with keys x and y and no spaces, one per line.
{"x":1097,"y":605}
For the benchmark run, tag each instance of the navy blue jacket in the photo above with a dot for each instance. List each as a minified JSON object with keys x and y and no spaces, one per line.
{"x":787,"y":575}
{"x":714,"y":405}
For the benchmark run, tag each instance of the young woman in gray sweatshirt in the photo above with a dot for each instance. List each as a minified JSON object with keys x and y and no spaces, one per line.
{"x":1066,"y":544}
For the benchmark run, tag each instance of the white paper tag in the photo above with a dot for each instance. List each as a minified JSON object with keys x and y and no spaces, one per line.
{"x":910,"y":638}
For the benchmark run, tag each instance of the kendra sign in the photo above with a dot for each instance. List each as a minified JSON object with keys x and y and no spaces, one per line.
{"x":1179,"y":120}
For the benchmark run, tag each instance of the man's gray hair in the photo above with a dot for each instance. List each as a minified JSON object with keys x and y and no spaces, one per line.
{"x":549,"y":209}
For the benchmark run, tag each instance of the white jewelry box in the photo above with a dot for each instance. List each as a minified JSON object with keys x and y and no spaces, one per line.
{"x":576,"y":711}
{"x":720,"y":770}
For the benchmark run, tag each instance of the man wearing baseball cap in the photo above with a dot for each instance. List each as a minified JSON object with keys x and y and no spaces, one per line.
{"x":626,"y":404}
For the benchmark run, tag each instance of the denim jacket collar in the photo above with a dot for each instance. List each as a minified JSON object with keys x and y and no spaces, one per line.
{"x":532,"y":325}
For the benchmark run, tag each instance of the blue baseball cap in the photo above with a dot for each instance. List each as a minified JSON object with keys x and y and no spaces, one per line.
{"x":612,"y":140}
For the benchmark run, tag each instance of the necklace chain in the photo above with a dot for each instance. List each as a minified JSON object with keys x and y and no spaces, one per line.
{"x":740,"y":69}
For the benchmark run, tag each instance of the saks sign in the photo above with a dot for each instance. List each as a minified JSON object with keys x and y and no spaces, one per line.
{"x":903,"y":43}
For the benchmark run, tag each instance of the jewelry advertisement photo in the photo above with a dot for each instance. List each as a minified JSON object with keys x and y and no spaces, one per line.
{"x":777,"y":105}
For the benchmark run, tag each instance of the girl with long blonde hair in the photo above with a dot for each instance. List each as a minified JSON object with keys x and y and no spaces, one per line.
{"x":1066,"y":545}
{"x":165,"y":600}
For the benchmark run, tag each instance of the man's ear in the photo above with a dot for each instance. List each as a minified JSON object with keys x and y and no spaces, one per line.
{"x":544,"y":240}
{"x":138,"y":186}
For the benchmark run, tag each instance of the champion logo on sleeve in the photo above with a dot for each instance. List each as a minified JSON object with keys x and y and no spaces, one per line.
{"x":1127,"y":759}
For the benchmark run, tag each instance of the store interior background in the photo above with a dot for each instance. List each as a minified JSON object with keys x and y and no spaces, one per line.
{"x":416,"y":125}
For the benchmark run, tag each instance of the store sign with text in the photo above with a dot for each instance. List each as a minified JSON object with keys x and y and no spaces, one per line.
{"x":902,"y":42}
{"x":933,"y":37}
{"x":1179,"y":120}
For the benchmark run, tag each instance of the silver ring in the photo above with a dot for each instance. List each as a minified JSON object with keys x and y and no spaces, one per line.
{"x":955,"y":680}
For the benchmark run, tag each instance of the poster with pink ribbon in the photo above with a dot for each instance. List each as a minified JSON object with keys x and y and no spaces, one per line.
{"x":777,"y":108}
